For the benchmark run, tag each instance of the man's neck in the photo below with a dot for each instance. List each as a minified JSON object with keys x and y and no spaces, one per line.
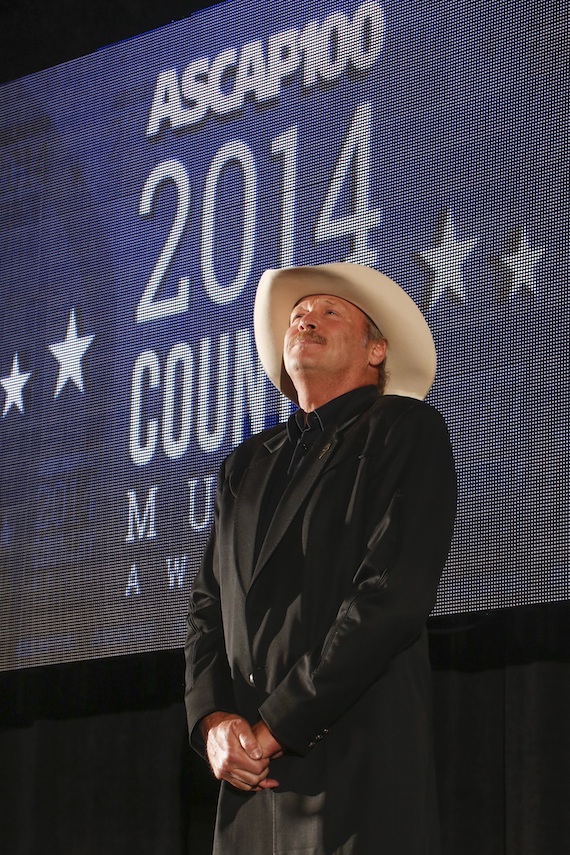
{"x":313,"y":395}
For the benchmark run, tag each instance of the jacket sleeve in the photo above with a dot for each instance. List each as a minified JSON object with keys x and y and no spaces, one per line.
{"x":208,"y":678}
{"x":394,"y":588}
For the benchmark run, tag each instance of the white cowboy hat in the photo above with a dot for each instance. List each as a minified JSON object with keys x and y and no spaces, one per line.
{"x":410,"y":353}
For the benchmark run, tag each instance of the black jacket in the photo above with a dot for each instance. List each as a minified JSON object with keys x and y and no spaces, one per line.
{"x":324,"y":637}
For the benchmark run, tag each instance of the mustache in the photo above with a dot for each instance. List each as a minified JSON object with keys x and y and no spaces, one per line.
{"x":309,"y":335}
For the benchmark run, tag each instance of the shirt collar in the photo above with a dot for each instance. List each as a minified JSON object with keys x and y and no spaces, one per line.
{"x":334,"y":412}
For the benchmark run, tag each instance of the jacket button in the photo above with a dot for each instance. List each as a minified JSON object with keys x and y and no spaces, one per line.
{"x":252,"y":679}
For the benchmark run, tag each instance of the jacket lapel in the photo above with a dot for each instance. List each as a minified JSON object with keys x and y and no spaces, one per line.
{"x":250,"y":497}
{"x":320,"y":457}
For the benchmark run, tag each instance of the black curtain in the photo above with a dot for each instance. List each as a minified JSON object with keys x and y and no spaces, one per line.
{"x":502,"y":704}
{"x":94,"y":756}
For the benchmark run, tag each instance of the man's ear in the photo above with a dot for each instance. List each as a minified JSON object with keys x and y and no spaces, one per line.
{"x":377,"y":352}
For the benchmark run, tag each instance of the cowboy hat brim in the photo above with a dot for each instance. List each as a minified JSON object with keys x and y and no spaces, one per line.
{"x":410,"y":353}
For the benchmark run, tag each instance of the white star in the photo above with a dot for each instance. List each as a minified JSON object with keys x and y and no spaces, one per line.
{"x":521,"y":265}
{"x":446,"y":261}
{"x":69,"y":354}
{"x":14,"y":386}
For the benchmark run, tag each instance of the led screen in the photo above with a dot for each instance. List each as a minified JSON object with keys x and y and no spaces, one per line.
{"x":143,"y":190}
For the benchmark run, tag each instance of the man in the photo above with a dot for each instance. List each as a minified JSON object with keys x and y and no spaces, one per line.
{"x":308,"y":684}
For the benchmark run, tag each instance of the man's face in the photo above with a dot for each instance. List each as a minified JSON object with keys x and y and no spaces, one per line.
{"x":328,"y":336}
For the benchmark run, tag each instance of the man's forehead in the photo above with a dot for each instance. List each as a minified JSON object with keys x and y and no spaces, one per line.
{"x":324,"y":298}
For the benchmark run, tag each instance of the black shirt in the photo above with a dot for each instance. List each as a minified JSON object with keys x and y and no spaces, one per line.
{"x":303,"y":430}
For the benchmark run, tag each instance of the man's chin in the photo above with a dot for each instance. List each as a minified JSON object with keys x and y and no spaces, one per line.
{"x":302,"y":366}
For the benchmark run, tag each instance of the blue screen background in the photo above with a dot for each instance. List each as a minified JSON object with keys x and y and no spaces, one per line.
{"x":454,"y":145}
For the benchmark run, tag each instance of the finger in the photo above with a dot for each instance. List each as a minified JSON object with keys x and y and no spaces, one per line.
{"x":268,"y":784}
{"x":239,"y":785}
{"x":244,"y":781}
{"x":240,"y":766}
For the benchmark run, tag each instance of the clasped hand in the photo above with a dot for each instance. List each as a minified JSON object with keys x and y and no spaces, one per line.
{"x":238,"y":753}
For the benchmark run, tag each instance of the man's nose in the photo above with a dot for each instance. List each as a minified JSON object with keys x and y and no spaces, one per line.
{"x":307,"y":322}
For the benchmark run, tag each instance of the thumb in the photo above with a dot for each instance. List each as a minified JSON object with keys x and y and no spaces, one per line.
{"x":250,"y":744}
